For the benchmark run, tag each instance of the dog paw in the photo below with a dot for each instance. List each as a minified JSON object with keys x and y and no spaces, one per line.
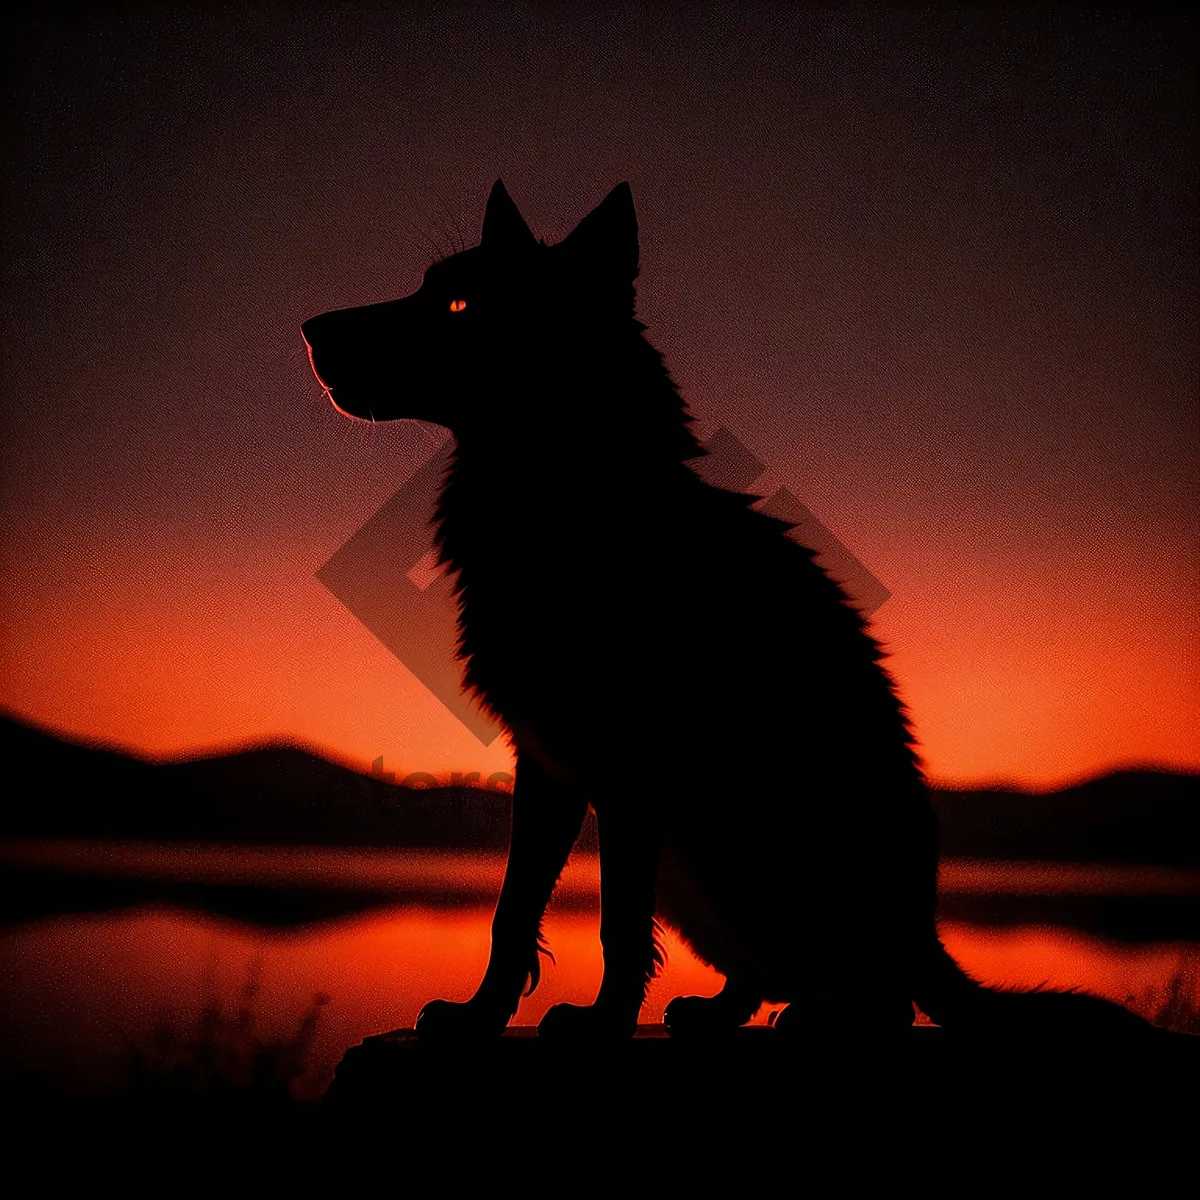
{"x":698,"y":1016}
{"x":445,"y":1019}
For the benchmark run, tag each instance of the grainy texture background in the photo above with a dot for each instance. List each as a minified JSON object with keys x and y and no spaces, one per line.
{"x":937,"y":270}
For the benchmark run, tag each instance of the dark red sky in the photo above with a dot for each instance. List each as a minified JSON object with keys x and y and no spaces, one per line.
{"x":938,"y":271}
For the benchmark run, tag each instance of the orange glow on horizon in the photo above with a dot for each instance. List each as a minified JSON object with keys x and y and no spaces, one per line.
{"x":1025,"y":677}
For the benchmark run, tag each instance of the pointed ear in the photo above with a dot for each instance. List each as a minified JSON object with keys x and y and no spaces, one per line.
{"x":608,"y":234}
{"x":503,"y":226}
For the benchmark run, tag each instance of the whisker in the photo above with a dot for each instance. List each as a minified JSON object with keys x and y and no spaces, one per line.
{"x":431,"y":249}
{"x":458,"y":231}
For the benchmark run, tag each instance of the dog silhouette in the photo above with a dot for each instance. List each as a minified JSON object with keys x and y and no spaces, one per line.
{"x":658,"y":649}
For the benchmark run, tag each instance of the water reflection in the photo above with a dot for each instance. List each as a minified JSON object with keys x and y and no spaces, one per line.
{"x":80,"y":988}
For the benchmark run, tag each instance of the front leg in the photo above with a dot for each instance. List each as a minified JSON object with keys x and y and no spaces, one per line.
{"x":546,"y":819}
{"x":630,"y":851}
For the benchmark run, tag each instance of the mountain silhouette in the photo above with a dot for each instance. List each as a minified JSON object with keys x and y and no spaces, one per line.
{"x":285,"y":795}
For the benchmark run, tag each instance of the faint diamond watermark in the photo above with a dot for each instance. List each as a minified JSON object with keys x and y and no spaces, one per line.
{"x":499,"y":781}
{"x":388,"y":576}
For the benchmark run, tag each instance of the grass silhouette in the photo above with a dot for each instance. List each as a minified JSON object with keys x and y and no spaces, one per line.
{"x":225,"y":1057}
{"x":1175,"y":1005}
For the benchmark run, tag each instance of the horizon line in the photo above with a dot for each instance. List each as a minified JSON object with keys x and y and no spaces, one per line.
{"x":326,"y":753}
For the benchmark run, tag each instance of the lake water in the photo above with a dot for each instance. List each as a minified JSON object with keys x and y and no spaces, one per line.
{"x":80,"y":989}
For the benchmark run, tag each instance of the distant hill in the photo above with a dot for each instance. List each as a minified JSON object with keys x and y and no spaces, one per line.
{"x":279,"y":795}
{"x":273,"y":795}
{"x":1144,"y":816}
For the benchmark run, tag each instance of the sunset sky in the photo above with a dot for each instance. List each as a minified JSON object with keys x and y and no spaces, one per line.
{"x":937,"y":271}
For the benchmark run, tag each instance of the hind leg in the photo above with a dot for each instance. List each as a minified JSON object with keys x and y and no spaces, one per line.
{"x":731,"y":1007}
{"x":875,"y":1013}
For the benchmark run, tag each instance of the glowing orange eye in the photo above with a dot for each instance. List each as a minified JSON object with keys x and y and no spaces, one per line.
{"x":457,"y":305}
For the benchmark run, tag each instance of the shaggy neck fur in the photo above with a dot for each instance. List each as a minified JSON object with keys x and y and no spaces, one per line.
{"x":560,"y":462}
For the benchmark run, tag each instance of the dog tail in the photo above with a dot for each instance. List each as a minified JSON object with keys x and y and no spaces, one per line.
{"x":950,"y":997}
